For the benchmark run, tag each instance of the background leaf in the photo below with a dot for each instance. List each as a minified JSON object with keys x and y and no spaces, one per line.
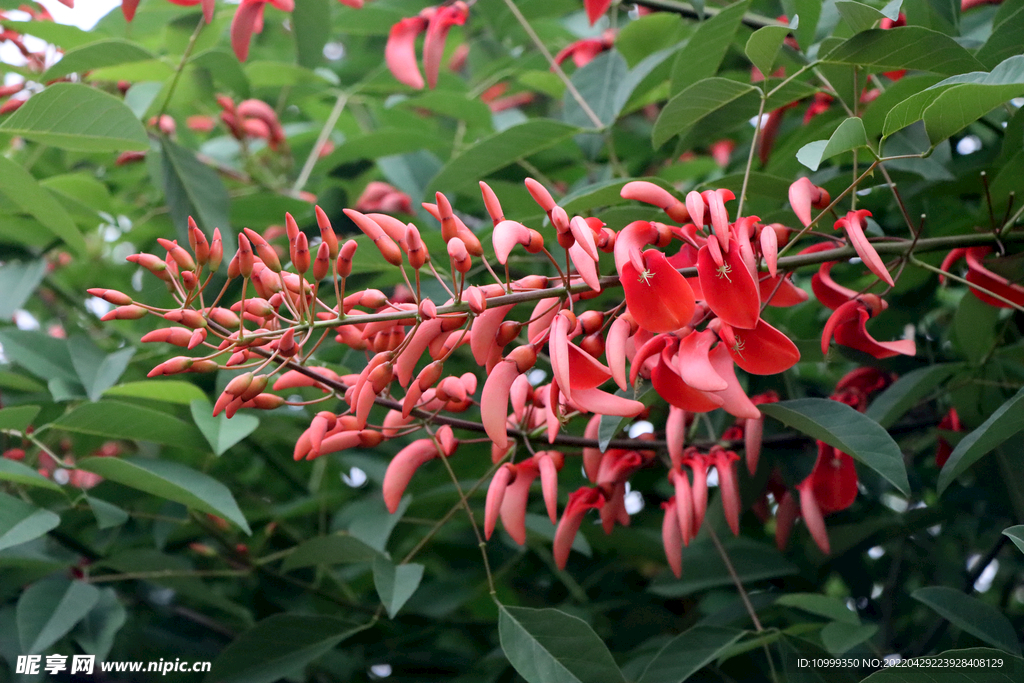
{"x":172,"y":481}
{"x":50,"y":608}
{"x":222,"y":433}
{"x":842,"y":427}
{"x":849,"y":135}
{"x":688,"y":653}
{"x":79,"y":118}
{"x":21,"y":522}
{"x":550,"y":646}
{"x":972,"y":615}
{"x":117,"y":420}
{"x":95,"y":55}
{"x":395,"y":583}
{"x":1006,"y":421}
{"x":21,"y":189}
{"x":193,"y":189}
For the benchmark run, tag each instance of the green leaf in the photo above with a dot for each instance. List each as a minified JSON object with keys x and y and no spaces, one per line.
{"x":500,"y":150}
{"x":17,"y":417}
{"x":839,"y":637}
{"x":221,"y":432}
{"x":96,"y":370}
{"x":597,"y":83}
{"x":40,"y":354}
{"x":311,"y":21}
{"x":1000,"y":426}
{"x":763,"y":47}
{"x":703,"y":567}
{"x":277,"y":647}
{"x":79,"y":118}
{"x":169,"y":391}
{"x":809,"y":12}
{"x":1016,"y":534}
{"x":68,"y":37}
{"x":926,"y":669}
{"x":1004,"y":41}
{"x":821,"y":605}
{"x":50,"y":608}
{"x":373,"y":524}
{"x":379,"y":143}
{"x":172,"y":481}
{"x":550,"y":646}
{"x":908,"y":391}
{"x":688,"y":653}
{"x":453,"y":103}
{"x":707,"y":47}
{"x":22,"y":190}
{"x":116,"y":420}
{"x":859,"y":16}
{"x":842,"y":427}
{"x":18,"y":281}
{"x":395,"y":584}
{"x":972,"y":615}
{"x":849,"y":135}
{"x":699,"y":101}
{"x":107,"y":514}
{"x":19,"y":473}
{"x":327,"y":550}
{"x":905,"y":47}
{"x":95,"y":634}
{"x":95,"y":55}
{"x":223,"y":67}
{"x":21,"y":522}
{"x":193,"y":189}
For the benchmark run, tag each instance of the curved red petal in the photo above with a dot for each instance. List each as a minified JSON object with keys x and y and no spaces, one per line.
{"x":729,"y":290}
{"x":659,"y":299}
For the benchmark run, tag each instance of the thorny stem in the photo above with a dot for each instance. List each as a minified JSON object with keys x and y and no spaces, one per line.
{"x":594,"y":119}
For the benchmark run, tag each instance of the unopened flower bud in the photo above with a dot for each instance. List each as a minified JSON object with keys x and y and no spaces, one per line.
{"x":322,"y":263}
{"x":327,"y":232}
{"x":300,"y":253}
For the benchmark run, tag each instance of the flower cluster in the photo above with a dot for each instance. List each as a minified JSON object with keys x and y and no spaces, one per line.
{"x":693,"y":295}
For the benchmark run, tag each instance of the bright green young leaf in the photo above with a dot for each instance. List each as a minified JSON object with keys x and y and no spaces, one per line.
{"x":972,"y":615}
{"x":699,"y":101}
{"x":277,"y":647}
{"x":550,"y":646}
{"x":921,"y":670}
{"x":79,"y":118}
{"x":21,"y":522}
{"x":327,"y":550}
{"x":1006,"y":421}
{"x":395,"y":584}
{"x":167,"y":390}
{"x":22,"y":190}
{"x":839,"y":636}
{"x":95,"y":55}
{"x":763,"y":47}
{"x":906,"y":47}
{"x":500,"y":150}
{"x":907,"y":391}
{"x":96,"y":370}
{"x":18,"y":281}
{"x":703,"y":567}
{"x":688,"y":653}
{"x":193,"y":189}
{"x":17,"y":417}
{"x":172,"y":481}
{"x":707,"y":47}
{"x":50,"y":608}
{"x":221,"y":432}
{"x":95,"y":633}
{"x":849,"y":135}
{"x":842,"y":427}
{"x":20,"y":473}
{"x":107,"y":514}
{"x":1016,"y":534}
{"x":312,"y":25}
{"x":117,"y":420}
{"x":821,"y":605}
{"x":597,"y":83}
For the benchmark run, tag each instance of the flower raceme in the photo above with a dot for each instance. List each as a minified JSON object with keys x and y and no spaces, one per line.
{"x":685,"y":336}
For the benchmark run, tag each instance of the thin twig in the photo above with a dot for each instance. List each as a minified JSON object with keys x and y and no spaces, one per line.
{"x":321,"y":140}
